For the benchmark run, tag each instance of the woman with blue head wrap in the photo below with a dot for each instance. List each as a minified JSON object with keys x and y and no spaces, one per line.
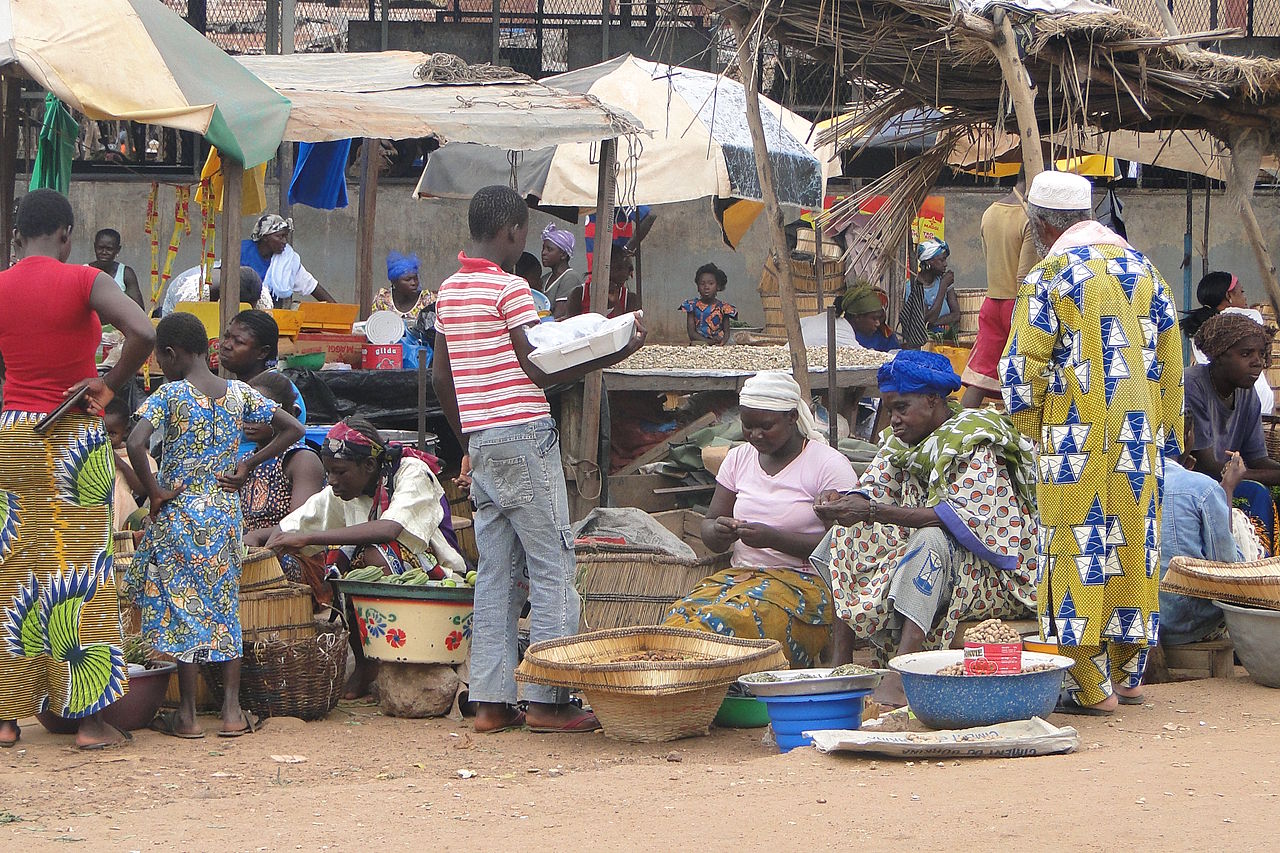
{"x":405,"y":296}
{"x":942,"y":527}
{"x":931,"y":308}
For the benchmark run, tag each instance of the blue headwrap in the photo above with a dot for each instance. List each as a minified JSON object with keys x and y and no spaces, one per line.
{"x":927,"y":250}
{"x":918,"y":372}
{"x":399,"y":265}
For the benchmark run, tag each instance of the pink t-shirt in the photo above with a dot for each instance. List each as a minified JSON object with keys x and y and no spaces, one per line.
{"x":784,"y":501}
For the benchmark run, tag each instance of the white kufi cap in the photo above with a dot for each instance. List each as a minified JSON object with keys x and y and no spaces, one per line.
{"x":1061,"y":191}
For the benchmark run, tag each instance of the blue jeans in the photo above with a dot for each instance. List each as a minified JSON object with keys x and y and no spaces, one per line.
{"x":526,"y":553}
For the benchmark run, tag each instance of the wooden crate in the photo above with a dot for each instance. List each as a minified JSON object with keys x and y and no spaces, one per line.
{"x":1206,"y":659}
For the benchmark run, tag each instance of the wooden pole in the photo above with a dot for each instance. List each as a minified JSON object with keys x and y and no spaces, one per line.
{"x":594,"y":469}
{"x":364,"y":227}
{"x":284,"y":156}
{"x":1005,"y":47}
{"x":773,"y":213}
{"x":11,"y":91}
{"x":232,"y":189}
{"x":1266,"y":265}
{"x":833,"y":390}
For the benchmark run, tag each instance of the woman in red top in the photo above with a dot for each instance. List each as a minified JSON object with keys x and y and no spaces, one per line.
{"x":60,"y":641}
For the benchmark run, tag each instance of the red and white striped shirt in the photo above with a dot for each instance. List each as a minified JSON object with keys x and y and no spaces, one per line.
{"x":476,"y":310}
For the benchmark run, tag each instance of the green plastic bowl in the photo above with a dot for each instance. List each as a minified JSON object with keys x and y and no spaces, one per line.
{"x":742,"y":712}
{"x":307,"y":361}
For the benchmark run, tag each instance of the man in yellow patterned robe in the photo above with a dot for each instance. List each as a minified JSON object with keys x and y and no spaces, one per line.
{"x":1093,"y":372}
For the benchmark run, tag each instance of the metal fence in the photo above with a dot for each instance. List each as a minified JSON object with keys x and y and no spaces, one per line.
{"x":1259,"y":18}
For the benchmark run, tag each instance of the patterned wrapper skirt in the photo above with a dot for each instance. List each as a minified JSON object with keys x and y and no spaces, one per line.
{"x":60,"y":637}
{"x":758,"y":604}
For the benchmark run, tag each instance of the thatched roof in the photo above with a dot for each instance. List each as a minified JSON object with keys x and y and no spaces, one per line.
{"x":1093,"y":71}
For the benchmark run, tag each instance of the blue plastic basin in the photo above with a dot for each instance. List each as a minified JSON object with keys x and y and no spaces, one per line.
{"x":965,"y":701}
{"x":791,"y":716}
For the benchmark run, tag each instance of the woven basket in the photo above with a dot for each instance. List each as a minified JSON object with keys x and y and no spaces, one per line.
{"x":802,"y":278}
{"x":465,"y":530}
{"x":260,"y":570}
{"x":1271,"y":432}
{"x":1256,"y":583}
{"x":625,"y":589}
{"x":647,"y":700}
{"x":282,"y":613}
{"x":290,"y":678}
{"x":123,"y":546}
{"x":970,"y":300}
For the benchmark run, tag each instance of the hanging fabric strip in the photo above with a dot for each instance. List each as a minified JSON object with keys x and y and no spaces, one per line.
{"x":153,"y":204}
{"x":181,"y":226}
{"x":207,"y":233}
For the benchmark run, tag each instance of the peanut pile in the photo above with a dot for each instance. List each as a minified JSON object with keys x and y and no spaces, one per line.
{"x":659,"y":357}
{"x":958,"y":669}
{"x":990,"y":632}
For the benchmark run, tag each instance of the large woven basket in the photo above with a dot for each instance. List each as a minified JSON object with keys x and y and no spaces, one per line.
{"x":259,"y":570}
{"x":123,"y":543}
{"x":622,"y":587}
{"x":280,"y":613}
{"x":1256,"y":583}
{"x":649,"y":700}
{"x":290,"y":678}
{"x":1271,"y":432}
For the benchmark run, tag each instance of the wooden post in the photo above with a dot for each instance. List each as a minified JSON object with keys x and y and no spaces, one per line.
{"x":588,"y":449}
{"x":1266,"y":265}
{"x":284,"y":156}
{"x":232,"y":190}
{"x":1005,"y":47}
{"x":833,"y":388}
{"x":364,"y":227}
{"x":422,"y":401}
{"x":11,"y":91}
{"x":773,"y":213}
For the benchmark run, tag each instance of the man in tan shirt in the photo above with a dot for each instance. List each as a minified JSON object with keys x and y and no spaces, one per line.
{"x":1011,"y":253}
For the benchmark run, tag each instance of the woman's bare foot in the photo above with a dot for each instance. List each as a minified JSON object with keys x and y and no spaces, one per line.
{"x":497,"y":717}
{"x":889,"y":692}
{"x":9,"y":732}
{"x":544,"y":717}
{"x":360,"y":680}
{"x":95,"y":732}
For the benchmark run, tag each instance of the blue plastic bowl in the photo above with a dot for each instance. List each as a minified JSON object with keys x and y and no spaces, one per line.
{"x":315,"y":434}
{"x":791,"y":716}
{"x":963,"y":701}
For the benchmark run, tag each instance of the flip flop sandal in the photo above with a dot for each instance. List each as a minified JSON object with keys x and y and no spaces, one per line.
{"x":1140,"y":699}
{"x":1078,"y":710}
{"x":586,"y":723}
{"x":252,"y":724}
{"x":517,"y":722}
{"x":167,"y":724}
{"x":98,"y":747}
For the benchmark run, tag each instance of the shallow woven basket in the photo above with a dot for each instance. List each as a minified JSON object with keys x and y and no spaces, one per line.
{"x":625,"y":589}
{"x":260,"y":570}
{"x":1256,"y":583}
{"x":280,"y":613}
{"x":649,"y":700}
{"x":290,"y":678}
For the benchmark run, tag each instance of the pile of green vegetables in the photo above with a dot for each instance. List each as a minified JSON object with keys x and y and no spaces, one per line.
{"x":413,"y":577}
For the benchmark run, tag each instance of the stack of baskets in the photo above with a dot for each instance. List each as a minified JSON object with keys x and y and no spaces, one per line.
{"x":649,"y":684}
{"x":622,"y":587}
{"x":805,"y":284}
{"x":291,"y":667}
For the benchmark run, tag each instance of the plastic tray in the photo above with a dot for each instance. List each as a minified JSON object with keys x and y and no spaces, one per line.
{"x":793,"y":686}
{"x":611,"y":338}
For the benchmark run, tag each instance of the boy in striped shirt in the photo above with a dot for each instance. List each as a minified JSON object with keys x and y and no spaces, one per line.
{"x":492,"y":395}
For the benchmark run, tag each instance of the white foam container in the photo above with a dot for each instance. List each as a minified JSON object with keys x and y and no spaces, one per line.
{"x":611,"y":338}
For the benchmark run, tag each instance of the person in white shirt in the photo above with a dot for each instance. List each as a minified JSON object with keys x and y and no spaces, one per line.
{"x":1221,"y":292}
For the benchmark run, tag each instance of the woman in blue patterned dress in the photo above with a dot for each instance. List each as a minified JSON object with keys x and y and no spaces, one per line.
{"x":186,"y":572}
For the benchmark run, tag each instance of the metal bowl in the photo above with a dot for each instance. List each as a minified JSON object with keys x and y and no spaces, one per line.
{"x":1255,"y":633}
{"x":808,"y":682}
{"x":965,"y":701}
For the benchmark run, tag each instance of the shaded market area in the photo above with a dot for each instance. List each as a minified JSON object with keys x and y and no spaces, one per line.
{"x":800,"y":410}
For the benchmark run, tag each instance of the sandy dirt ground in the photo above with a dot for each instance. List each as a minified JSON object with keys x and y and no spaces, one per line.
{"x":1193,"y":769}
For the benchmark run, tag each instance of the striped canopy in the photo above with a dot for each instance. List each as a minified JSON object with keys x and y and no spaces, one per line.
{"x":137,"y":60}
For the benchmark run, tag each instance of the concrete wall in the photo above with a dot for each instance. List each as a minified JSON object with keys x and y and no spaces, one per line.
{"x":684,"y":237}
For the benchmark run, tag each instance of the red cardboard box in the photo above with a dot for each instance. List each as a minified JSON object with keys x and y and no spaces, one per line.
{"x":382,"y":357}
{"x":348,"y":348}
{"x":992,"y":658}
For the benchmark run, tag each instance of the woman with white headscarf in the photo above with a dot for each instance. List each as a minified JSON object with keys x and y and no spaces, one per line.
{"x":268,"y":253}
{"x":763,"y":509}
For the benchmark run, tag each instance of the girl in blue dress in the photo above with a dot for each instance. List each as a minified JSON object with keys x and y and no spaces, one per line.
{"x":186,"y":572}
